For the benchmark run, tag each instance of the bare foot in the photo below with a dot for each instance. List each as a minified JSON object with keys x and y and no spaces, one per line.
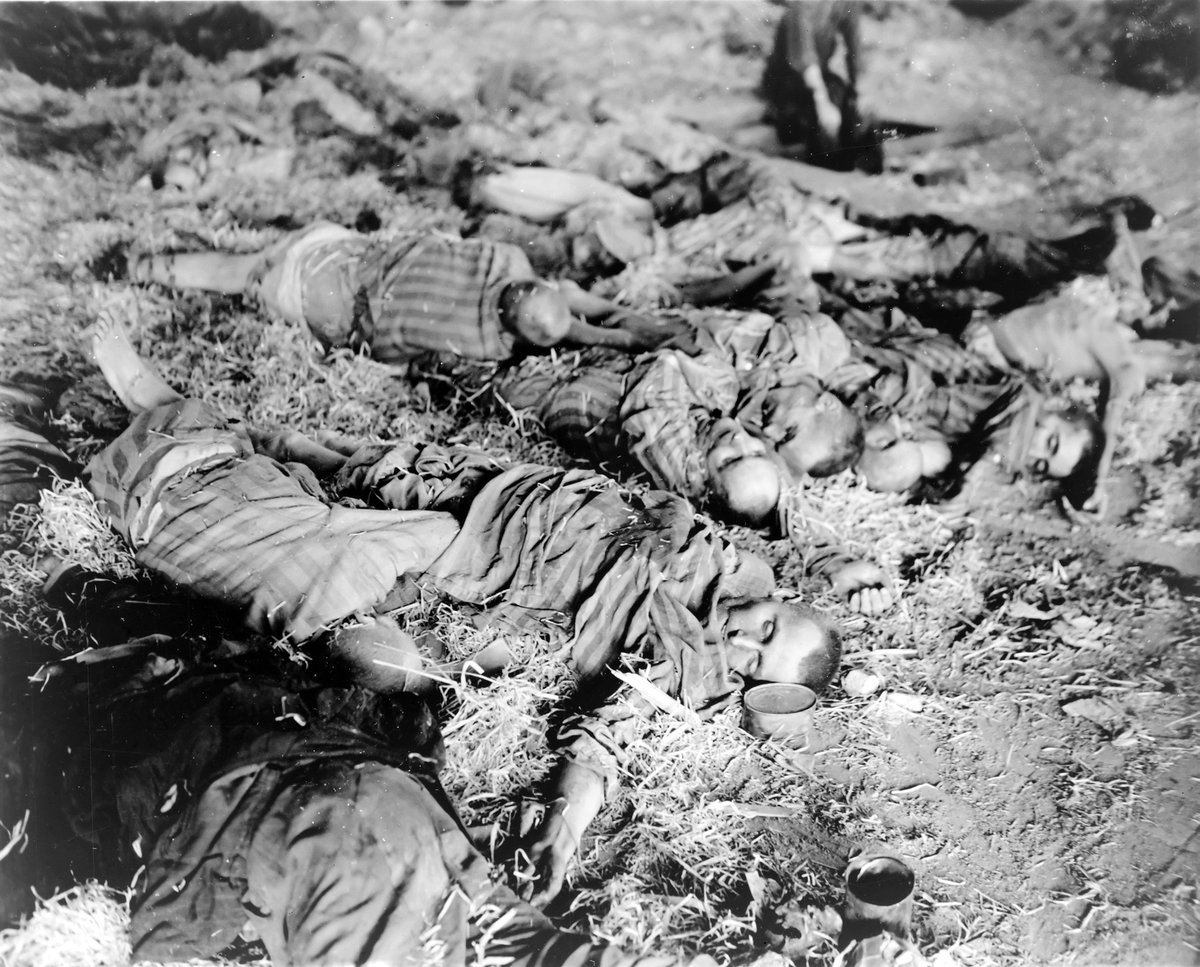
{"x":134,"y":381}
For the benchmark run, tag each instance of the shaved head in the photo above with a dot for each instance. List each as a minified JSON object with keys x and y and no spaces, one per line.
{"x":535,"y":312}
{"x":748,"y":488}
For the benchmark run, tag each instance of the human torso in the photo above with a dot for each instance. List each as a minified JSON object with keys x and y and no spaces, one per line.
{"x":433,"y":292}
{"x":1051,"y":338}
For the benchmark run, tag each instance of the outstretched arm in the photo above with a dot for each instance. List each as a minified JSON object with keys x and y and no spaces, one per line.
{"x":290,"y":446}
{"x":619,"y":328}
{"x":590,"y":767}
{"x":862,"y":584}
{"x":721,"y":290}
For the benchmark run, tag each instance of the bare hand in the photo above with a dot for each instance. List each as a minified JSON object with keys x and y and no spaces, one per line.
{"x":830,"y":119}
{"x":1091,"y":513}
{"x":865,"y":586}
{"x":550,"y":849}
{"x":1097,"y":503}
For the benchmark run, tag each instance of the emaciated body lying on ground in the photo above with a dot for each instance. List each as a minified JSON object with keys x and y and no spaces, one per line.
{"x":420,"y":291}
{"x":267,"y":804}
{"x":633,"y":579}
{"x":1083,"y":329}
{"x":733,"y":412}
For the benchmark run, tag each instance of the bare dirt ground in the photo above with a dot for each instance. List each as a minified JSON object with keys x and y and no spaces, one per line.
{"x":1032,"y":752}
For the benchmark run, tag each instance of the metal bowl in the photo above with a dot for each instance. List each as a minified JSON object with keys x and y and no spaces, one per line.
{"x":778,"y":711}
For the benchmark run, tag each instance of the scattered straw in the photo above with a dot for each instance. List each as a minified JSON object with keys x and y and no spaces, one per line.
{"x":87,"y":924}
{"x":670,"y":864}
{"x":73,"y":529}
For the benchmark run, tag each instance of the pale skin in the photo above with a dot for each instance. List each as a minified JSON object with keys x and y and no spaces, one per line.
{"x":829,"y":117}
{"x":1066,"y":348}
{"x":598,"y":322}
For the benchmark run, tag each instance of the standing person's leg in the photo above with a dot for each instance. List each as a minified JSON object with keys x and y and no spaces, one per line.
{"x":134,"y":380}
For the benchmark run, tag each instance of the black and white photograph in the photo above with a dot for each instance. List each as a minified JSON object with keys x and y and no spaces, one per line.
{"x":600,"y":483}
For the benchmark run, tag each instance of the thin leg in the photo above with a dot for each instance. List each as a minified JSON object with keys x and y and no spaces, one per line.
{"x":210,"y":271}
{"x":1168,"y":360}
{"x":718,"y":291}
{"x":136,"y":383}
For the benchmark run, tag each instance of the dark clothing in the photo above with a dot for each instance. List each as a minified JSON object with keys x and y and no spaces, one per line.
{"x":934,"y":248}
{"x":1175,"y":290}
{"x":807,"y":36}
{"x":739,"y":210}
{"x":29,"y":461}
{"x":114,"y":610}
{"x":266,"y":804}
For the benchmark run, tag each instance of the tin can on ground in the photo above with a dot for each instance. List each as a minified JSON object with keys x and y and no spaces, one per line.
{"x":879,"y":896}
{"x":780,"y":712}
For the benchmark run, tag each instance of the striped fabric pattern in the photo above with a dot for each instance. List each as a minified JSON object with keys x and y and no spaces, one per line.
{"x":577,"y":399}
{"x":631,"y":574}
{"x":249,"y":534}
{"x":434,"y":292}
{"x":633,"y":580}
{"x":964,"y":410}
{"x":652,"y":412}
{"x":671,"y":401}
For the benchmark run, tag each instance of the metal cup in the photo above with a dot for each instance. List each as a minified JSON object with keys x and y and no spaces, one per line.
{"x":879,"y":896}
{"x":779,"y":711}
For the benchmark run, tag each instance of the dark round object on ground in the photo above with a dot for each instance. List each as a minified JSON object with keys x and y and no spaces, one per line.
{"x":987,"y":9}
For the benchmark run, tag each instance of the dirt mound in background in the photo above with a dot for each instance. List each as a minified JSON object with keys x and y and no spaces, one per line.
{"x":78,"y":46}
{"x":1149,"y":44}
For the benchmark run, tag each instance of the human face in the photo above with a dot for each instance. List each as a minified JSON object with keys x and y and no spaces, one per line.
{"x":791,"y":646}
{"x":729,"y":444}
{"x":1057,"y":447}
{"x":740,"y":474}
{"x":806,"y":422}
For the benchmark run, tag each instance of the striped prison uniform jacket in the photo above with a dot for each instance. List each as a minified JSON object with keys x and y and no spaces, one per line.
{"x":632,"y":579}
{"x":421,"y":291}
{"x":650,"y":413}
{"x":654,"y":413}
